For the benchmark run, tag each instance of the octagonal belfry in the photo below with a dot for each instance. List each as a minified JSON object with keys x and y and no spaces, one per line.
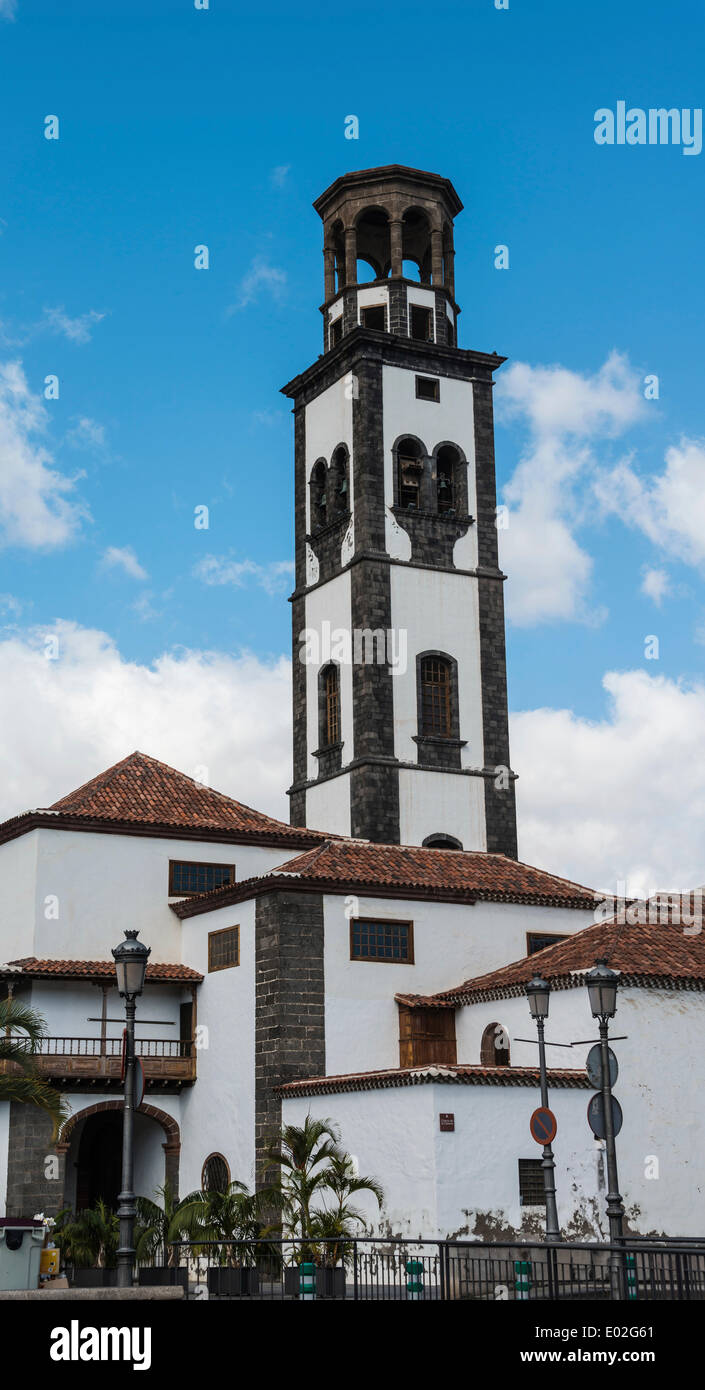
{"x":390,"y":218}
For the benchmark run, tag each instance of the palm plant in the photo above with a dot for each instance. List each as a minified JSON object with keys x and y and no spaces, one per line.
{"x":298,"y":1156}
{"x":21,"y":1031}
{"x":222,"y":1217}
{"x":91,"y":1237}
{"x":311,"y":1166}
{"x":158,"y":1226}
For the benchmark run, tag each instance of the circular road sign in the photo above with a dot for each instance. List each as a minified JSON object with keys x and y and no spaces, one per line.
{"x":596,"y":1116}
{"x":543,"y":1125}
{"x":593,"y":1066}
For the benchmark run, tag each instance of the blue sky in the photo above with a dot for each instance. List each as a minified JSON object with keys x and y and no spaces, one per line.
{"x":180,"y":127}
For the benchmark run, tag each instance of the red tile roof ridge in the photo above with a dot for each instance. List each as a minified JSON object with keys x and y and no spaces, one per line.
{"x":162,"y":970}
{"x":459,"y":1072}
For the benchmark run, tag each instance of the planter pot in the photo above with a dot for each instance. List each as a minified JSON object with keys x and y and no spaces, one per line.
{"x":94,"y":1279}
{"x":238,"y":1282}
{"x":162,"y":1274}
{"x":330,"y":1281}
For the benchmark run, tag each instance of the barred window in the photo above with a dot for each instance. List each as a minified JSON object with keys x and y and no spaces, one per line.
{"x":532,"y":1192}
{"x":190,"y":877}
{"x":435,"y":697}
{"x":382,"y":941}
{"x":215,"y":1175}
{"x":538,"y":941}
{"x":223,"y":948}
{"x":332,"y":706}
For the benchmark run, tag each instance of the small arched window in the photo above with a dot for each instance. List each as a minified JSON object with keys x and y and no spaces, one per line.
{"x":410,"y":471}
{"x":319,"y":498}
{"x":331,"y":710}
{"x":215,"y":1176}
{"x":445,"y":478}
{"x":494,"y":1048}
{"x":441,"y":842}
{"x":435,"y":697}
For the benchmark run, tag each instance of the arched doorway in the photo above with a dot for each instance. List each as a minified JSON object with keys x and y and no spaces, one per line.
{"x":99,"y":1160}
{"x":91,"y":1140}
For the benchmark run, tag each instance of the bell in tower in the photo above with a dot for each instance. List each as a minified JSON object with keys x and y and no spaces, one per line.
{"x":400,"y":696}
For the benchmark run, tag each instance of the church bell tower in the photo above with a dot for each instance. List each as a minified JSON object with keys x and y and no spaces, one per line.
{"x":400,"y":691}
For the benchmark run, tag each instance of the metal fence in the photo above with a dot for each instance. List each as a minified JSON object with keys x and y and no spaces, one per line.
{"x":398,"y":1270}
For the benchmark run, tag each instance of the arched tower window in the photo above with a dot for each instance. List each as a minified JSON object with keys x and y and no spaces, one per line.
{"x":410,"y":466}
{"x":494,"y":1048}
{"x":319,"y":495}
{"x":215,"y":1175}
{"x":373,"y":244}
{"x":441,"y":841}
{"x":339,"y":480}
{"x":445,"y":478}
{"x":330,"y":722}
{"x":436,"y":718}
{"x":416,"y":242}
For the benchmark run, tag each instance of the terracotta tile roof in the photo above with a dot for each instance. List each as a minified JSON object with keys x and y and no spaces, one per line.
{"x":659,"y":943}
{"x":458,"y":1075}
{"x":150,"y":796}
{"x":157,"y":972}
{"x":398,"y":871}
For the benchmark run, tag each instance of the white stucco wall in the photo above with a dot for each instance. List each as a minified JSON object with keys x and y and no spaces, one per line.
{"x":4,"y":1142}
{"x":18,"y":895}
{"x":100,"y":884}
{"x":452,"y":943}
{"x":434,"y":803}
{"x":328,"y":805}
{"x":328,"y":423}
{"x":327,"y":614}
{"x":449,"y":420}
{"x":463,"y":1183}
{"x":665,"y":1035}
{"x":219,"y":1111}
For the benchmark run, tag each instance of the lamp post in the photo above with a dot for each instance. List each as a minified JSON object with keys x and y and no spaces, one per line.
{"x":538,"y":991}
{"x":130,"y":968}
{"x":602,"y":986}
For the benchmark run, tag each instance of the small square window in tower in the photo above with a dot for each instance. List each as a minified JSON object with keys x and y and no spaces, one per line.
{"x":420,"y":323}
{"x":428,"y":388}
{"x":374,"y":316}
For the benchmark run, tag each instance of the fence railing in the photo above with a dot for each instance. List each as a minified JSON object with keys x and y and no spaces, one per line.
{"x":104,"y":1047}
{"x":400,"y":1270}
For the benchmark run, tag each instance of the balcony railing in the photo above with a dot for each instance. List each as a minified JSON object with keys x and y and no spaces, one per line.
{"x":165,"y":1060}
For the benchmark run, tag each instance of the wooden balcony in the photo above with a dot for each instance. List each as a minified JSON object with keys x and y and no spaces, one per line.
{"x":169,"y":1063}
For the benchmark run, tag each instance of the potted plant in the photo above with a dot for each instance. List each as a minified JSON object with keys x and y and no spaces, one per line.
{"x":89,"y":1243}
{"x":315,"y":1181}
{"x":233,"y":1219}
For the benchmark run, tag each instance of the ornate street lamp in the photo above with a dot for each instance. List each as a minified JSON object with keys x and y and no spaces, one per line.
{"x":602,"y":984}
{"x":130,"y":969}
{"x":539,"y":991}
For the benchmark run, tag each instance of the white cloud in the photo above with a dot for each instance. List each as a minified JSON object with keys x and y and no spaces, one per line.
{"x":77,"y":330}
{"x":37,"y":503}
{"x":619,"y":798}
{"x":260,"y":276}
{"x":124,"y":558}
{"x":217,"y":570}
{"x":62,"y":721}
{"x":656,"y":584}
{"x":567,"y":415}
{"x":668,"y":508}
{"x":8,"y":9}
{"x":278,"y":175}
{"x":86,"y":434}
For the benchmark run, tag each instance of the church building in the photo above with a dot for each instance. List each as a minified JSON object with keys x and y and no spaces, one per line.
{"x":366,"y":962}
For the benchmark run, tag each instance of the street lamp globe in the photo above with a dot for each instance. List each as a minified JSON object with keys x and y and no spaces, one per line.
{"x":602,"y":986}
{"x":130,"y":965}
{"x":538,"y":991}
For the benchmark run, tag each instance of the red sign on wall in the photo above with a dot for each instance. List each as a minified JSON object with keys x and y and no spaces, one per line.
{"x":447,"y":1122}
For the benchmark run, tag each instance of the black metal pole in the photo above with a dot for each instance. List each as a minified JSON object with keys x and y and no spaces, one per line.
{"x":615,"y":1205}
{"x":126,"y":1200}
{"x":553,"y":1230}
